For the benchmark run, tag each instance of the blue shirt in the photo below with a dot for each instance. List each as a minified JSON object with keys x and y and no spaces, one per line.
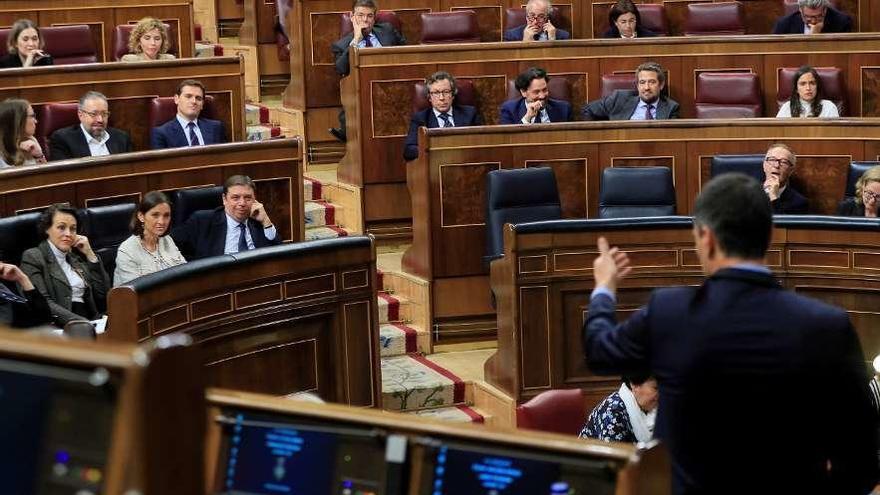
{"x":233,"y":232}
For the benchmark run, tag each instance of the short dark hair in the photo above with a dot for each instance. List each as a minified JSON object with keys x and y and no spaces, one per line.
{"x":438,"y":76}
{"x":238,"y":180}
{"x":623,"y":7}
{"x":736,"y":209}
{"x":636,"y":377}
{"x":48,"y":216}
{"x":652,"y":67}
{"x":151,"y":200}
{"x":524,"y":80}
{"x":190,"y":82}
{"x":370,"y":4}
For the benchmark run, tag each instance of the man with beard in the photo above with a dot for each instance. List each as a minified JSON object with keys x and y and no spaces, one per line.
{"x":535,"y":106}
{"x":779,"y":164}
{"x":645,"y":103}
{"x":91,"y":137}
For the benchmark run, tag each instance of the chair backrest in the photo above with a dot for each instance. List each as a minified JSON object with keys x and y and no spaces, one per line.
{"x":466,"y":95}
{"x":791,"y":6}
{"x":613,"y":82}
{"x":18,"y":234}
{"x":627,"y":192}
{"x":106,"y":228}
{"x":185,"y":202}
{"x":516,"y":16}
{"x":728,"y":95}
{"x":714,"y":19}
{"x":122,"y":33}
{"x":458,"y":26}
{"x":856,"y":170}
{"x":67,"y":44}
{"x":560,"y":89}
{"x":163,"y":109}
{"x":383,"y":16}
{"x":515,"y":196}
{"x":832,"y":85}
{"x":557,"y":411}
{"x":51,"y":117}
{"x":653,"y":17}
{"x":751,"y":165}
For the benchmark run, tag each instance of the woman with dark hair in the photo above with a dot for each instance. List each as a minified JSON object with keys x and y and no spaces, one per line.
{"x":807,"y":98}
{"x":148,"y":41}
{"x":626,"y":415}
{"x":65,"y":269}
{"x":25,"y":46}
{"x":625,"y":22}
{"x":18,"y":124}
{"x":866,"y":201}
{"x":149,"y":249}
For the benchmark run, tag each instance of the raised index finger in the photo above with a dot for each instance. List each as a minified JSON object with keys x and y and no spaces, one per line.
{"x":602,"y":244}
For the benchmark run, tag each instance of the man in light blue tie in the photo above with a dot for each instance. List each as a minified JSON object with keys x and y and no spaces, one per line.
{"x":188,"y":128}
{"x":647,"y":102}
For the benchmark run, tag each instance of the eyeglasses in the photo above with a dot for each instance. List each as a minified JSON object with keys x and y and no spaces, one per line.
{"x":782,"y":162}
{"x":437,"y":94}
{"x":537,"y":17}
{"x":870,"y":196}
{"x":814,"y":18}
{"x":95,"y":115}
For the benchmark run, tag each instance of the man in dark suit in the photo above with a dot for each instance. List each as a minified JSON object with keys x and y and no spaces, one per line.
{"x":440,"y":89}
{"x":538,"y":26}
{"x":241,"y":224}
{"x":814,"y":17}
{"x":91,"y":137}
{"x":22,"y":305}
{"x":365,"y":33}
{"x":779,"y":163}
{"x":762,"y":391}
{"x":535,"y":106}
{"x":646,"y":103}
{"x":187,"y":128}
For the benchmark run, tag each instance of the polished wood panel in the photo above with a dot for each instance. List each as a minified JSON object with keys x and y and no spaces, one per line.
{"x":377,"y":96}
{"x":817,"y":262}
{"x":280,"y":336}
{"x":131,"y":86}
{"x":449,"y":227}
{"x":275,"y":166}
{"x":102,"y":17}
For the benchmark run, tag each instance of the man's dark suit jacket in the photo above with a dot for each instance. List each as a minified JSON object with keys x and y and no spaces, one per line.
{"x":388,"y":36}
{"x":849,"y":208}
{"x":790,"y":202}
{"x":33,"y":311}
{"x":835,"y":22}
{"x":621,"y":104}
{"x":462,"y":115}
{"x":171,"y":135}
{"x":70,"y":142}
{"x":516,"y":33}
{"x":204,"y":234}
{"x":512,"y":111}
{"x":759,"y":386}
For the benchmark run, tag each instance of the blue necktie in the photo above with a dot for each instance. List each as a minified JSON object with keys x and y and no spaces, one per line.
{"x":193,"y":138}
{"x":242,"y":240}
{"x":446,"y":122}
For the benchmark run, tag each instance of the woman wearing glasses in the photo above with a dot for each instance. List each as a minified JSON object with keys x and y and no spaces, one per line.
{"x":807,"y":98}
{"x":867,"y":197}
{"x":18,"y":123}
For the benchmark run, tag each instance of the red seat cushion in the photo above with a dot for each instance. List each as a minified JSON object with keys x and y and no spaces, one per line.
{"x":653,"y":17}
{"x":67,"y":44}
{"x":833,"y":86}
{"x":728,"y":95}
{"x":714,"y":19}
{"x":556,"y":411}
{"x":466,"y":95}
{"x":459,"y":26}
{"x":51,"y":117}
{"x":613,"y":82}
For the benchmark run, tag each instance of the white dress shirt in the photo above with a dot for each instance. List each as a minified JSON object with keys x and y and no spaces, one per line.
{"x":77,"y":284}
{"x":639,"y":113}
{"x":97,"y":147}
{"x":184,"y":122}
{"x":233,"y":232}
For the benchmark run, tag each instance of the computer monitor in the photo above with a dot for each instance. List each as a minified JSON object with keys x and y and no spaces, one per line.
{"x":267,"y":454}
{"x":455,"y":467}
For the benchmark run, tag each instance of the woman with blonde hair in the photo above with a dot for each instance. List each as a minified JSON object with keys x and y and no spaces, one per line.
{"x":18,"y":124}
{"x":148,"y":41}
{"x":867,"y":197}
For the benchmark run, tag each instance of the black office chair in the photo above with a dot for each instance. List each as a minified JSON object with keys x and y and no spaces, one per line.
{"x":107,"y":227}
{"x":751,"y":165}
{"x":628,"y":192}
{"x":17,"y":234}
{"x":188,"y":201}
{"x":516,"y":196}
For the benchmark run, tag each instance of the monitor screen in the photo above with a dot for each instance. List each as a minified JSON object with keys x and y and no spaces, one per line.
{"x":271,"y":455}
{"x":458,"y":468}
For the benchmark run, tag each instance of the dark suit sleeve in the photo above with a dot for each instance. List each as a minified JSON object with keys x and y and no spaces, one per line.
{"x":399,"y":38}
{"x":478,"y":119}
{"x":781,"y":26}
{"x":597,"y":109}
{"x":507,"y":115}
{"x":45,"y":61}
{"x":33,"y":266}
{"x":845,"y":23}
{"x":34,"y":312}
{"x":562,"y":34}
{"x":612,"y":348}
{"x":674,"y":109}
{"x":411,"y":146}
{"x":511,"y":35}
{"x":569,"y":112}
{"x":58,"y":146}
{"x":847,"y":208}
{"x":99,"y":283}
{"x":127,"y":147}
{"x":158,"y":140}
{"x":183,"y":236}
{"x":340,"y":54}
{"x":221,"y":132}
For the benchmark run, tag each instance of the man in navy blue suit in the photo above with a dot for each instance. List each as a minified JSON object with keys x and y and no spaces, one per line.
{"x":241,"y":224}
{"x":187,"y":128}
{"x":441,"y":90}
{"x":762,"y":391}
{"x":538,"y":26}
{"x":535,"y":106}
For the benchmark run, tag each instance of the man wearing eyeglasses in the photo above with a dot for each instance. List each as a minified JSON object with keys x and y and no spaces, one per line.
{"x":440,"y":89}
{"x":92,"y":136}
{"x":538,"y":26}
{"x":779,"y":163}
{"x":814,"y":17}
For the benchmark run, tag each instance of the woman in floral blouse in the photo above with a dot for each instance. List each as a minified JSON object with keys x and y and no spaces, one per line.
{"x":626,"y":415}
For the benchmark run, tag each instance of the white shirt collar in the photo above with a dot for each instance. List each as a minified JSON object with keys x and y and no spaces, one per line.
{"x":104,"y":138}
{"x":184,"y":122}
{"x":437,"y":113}
{"x":232,"y":223}
{"x":59,"y":255}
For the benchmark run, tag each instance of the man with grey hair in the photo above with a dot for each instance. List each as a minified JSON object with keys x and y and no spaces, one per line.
{"x":538,"y":26}
{"x":646,"y":102}
{"x":814,"y":17}
{"x":440,"y":91}
{"x":92,"y":136}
